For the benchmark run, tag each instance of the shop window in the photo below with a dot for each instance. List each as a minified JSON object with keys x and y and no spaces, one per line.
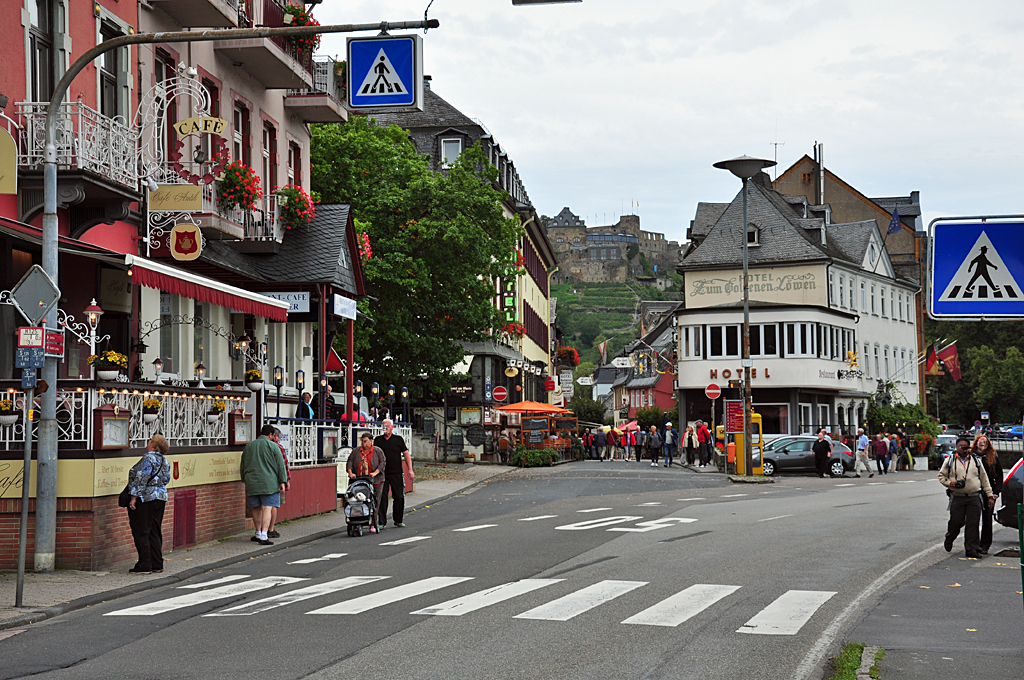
{"x":169,"y":347}
{"x":774,"y":418}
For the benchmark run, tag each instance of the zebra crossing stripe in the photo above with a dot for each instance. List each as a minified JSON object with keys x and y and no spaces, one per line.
{"x":403,"y":541}
{"x":682,"y":606}
{"x":593,"y":510}
{"x":787,"y":614}
{"x":485,"y":598}
{"x":311,"y":560}
{"x":574,"y":604}
{"x":396,"y":594}
{"x":204,"y":596}
{"x":215,"y":582}
{"x":299,"y":595}
{"x":534,"y":519}
{"x":478,"y":526}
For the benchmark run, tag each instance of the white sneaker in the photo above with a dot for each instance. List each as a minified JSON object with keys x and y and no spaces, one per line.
{"x":654,"y":465}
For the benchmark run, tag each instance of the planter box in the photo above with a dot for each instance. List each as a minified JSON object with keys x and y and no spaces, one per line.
{"x":921,"y":463}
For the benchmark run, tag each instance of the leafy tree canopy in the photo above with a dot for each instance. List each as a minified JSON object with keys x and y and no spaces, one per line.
{"x":652,"y":415}
{"x":587,"y":409}
{"x":438,"y":240}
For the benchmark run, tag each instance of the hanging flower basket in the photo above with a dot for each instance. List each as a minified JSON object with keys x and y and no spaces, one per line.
{"x":216,"y":410}
{"x":254,"y":379}
{"x":568,"y":356}
{"x":294,"y":207}
{"x":240,"y":187}
{"x":150,"y":410}
{"x":300,"y":16}
{"x":8,"y":416}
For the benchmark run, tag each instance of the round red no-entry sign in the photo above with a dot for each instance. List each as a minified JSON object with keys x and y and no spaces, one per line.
{"x":499,"y":393}
{"x":713,"y":391}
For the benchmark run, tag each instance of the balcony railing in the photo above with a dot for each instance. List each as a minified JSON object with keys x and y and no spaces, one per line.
{"x":181,"y":419}
{"x":86,"y":140}
{"x":304,"y":440}
{"x":270,"y":14}
{"x":261,"y":224}
{"x":325,"y":79}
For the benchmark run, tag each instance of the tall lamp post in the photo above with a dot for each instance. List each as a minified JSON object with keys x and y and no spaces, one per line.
{"x":405,"y":404}
{"x":278,"y":382}
{"x":374,"y":392}
{"x":391,"y":402}
{"x":746,"y":167}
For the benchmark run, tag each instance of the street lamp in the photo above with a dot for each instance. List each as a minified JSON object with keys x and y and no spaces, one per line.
{"x":374,"y":391}
{"x":300,"y":382}
{"x":158,"y":366}
{"x":746,"y":167}
{"x":323,"y":396}
{"x":405,"y":404}
{"x":278,"y":382}
{"x":201,"y":371}
{"x":391,"y":401}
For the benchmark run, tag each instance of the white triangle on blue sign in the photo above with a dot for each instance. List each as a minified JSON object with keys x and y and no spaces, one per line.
{"x":982,"y":276}
{"x":381,"y":80}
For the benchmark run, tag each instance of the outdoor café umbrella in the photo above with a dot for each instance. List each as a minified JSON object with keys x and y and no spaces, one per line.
{"x":629,"y":426}
{"x":534,"y":407}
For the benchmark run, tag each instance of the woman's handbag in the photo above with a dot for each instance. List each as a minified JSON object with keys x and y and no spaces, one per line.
{"x":124,"y":498}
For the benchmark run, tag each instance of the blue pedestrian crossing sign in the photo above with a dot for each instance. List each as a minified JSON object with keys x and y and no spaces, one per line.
{"x":976,"y":270}
{"x":385,"y":72}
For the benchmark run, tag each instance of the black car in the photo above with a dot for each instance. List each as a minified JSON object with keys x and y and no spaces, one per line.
{"x":794,"y":454}
{"x":1012,"y":495}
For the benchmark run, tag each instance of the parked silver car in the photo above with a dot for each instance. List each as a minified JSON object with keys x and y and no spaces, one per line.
{"x":793,"y":453}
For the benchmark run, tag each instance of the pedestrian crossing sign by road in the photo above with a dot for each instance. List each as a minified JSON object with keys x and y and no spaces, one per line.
{"x":385,"y":72}
{"x":976,"y":270}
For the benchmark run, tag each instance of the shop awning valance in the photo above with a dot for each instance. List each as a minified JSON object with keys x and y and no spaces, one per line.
{"x":179,"y":282}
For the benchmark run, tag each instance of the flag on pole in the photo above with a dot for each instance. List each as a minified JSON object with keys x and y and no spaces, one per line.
{"x":894,"y":223}
{"x":601,"y":348}
{"x":931,"y":362}
{"x":949,"y":358}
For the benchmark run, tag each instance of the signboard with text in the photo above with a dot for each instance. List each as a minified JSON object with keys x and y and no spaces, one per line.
{"x":790,"y":285}
{"x":733,"y":416}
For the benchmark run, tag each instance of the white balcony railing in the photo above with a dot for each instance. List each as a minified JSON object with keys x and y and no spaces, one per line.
{"x":325,"y":79}
{"x":260,"y":224}
{"x":304,"y":438}
{"x":86,"y":140}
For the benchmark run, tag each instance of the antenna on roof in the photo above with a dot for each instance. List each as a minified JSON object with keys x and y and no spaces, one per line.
{"x":777,"y":144}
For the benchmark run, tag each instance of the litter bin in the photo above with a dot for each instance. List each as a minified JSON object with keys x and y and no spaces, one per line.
{"x":732,"y":452}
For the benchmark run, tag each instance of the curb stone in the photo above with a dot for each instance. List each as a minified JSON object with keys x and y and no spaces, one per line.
{"x":867,"y":660}
{"x":117,"y":593}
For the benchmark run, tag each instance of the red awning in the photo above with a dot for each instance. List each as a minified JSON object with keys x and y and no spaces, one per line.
{"x":334,"y":363}
{"x":179,"y":282}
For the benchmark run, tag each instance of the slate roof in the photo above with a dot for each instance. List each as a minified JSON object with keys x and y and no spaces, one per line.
{"x":566,"y":218}
{"x":436,"y":113}
{"x":309,"y":255}
{"x":852,"y":238}
{"x":707,"y":215}
{"x":905,"y":206}
{"x":649,"y":381}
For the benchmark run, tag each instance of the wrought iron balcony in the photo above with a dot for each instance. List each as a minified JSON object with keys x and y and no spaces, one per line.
{"x":86,"y":140}
{"x":261,"y":224}
{"x":274,"y":62}
{"x":322,"y":103}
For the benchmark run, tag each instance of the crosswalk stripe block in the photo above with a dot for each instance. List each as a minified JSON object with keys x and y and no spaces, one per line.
{"x":299,"y":595}
{"x":574,"y":604}
{"x":215,"y":582}
{"x":396,"y":594}
{"x":204,"y":596}
{"x":479,"y":526}
{"x":682,"y":606}
{"x":485,"y":598}
{"x":311,"y":560}
{"x":787,"y":614}
{"x":534,"y":519}
{"x":403,"y":541}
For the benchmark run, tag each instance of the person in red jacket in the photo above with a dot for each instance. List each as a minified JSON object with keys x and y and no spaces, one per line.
{"x":704,"y":442}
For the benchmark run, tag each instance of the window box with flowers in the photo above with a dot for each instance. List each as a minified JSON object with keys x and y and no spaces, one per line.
{"x":514,"y":329}
{"x":298,"y":15}
{"x":8,"y":416}
{"x":568,"y":356}
{"x":216,"y":411}
{"x":150,"y":409}
{"x":108,"y":364}
{"x":294,"y":207}
{"x":254,"y":379}
{"x":239,"y":188}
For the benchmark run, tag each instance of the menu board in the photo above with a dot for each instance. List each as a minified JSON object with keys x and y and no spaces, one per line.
{"x":565,"y":424}
{"x":733,"y":416}
{"x":537,"y":436}
{"x":535,"y":424}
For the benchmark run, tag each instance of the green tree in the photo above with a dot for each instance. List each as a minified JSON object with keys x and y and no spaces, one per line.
{"x":1000,"y":383}
{"x":652,"y":415}
{"x":587,"y":409}
{"x":589,"y":329}
{"x":438,"y":240}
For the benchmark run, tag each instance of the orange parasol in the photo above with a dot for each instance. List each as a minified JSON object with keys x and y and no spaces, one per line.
{"x":528,"y":407}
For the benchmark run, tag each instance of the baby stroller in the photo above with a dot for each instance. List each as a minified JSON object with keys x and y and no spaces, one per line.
{"x":360,"y":506}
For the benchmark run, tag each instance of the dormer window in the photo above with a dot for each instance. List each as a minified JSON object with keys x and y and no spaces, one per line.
{"x":451,"y":149}
{"x":753,"y":236}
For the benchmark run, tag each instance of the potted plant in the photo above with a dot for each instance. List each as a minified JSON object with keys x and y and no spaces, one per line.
{"x":150,"y":409}
{"x":294,"y":207}
{"x":108,"y":364}
{"x":340,"y":79}
{"x":298,"y":15}
{"x":8,"y":416}
{"x":254,"y":379}
{"x":215,"y":412}
{"x":239,"y":188}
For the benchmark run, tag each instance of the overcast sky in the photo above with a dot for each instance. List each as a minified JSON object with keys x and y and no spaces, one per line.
{"x":609,"y":103}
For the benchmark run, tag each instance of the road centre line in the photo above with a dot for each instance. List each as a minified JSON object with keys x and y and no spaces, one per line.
{"x":682,"y":606}
{"x":534,"y":519}
{"x":204,"y":596}
{"x":651,"y":504}
{"x":787,"y":614}
{"x":316,"y":590}
{"x":574,"y":604}
{"x":685,"y":500}
{"x":485,"y":598}
{"x":478,"y":526}
{"x":391,"y":595}
{"x":734,"y":495}
{"x":769,"y":519}
{"x":851,"y":484}
{"x":877,"y":483}
{"x":403,"y":541}
{"x":215,"y":582}
{"x":594,"y":510}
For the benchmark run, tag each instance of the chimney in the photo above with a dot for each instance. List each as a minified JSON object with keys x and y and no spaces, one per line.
{"x":426,"y":82}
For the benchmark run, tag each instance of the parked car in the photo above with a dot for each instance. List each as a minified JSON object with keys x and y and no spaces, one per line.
{"x":952,"y":428}
{"x":945,"y":444}
{"x":794,"y":454}
{"x":1015,"y":432}
{"x":1012,"y":495}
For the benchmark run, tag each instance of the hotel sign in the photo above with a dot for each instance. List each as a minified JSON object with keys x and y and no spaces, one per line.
{"x":787,"y":285}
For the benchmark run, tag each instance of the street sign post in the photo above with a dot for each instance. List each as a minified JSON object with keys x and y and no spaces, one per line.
{"x":585,"y":381}
{"x":712,"y":391}
{"x":623,"y":362}
{"x":35,"y":295}
{"x":976,"y":268}
{"x":499,"y":393}
{"x":385,"y":72}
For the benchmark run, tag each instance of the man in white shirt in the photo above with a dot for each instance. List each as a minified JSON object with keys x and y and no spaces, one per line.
{"x":862,"y":454}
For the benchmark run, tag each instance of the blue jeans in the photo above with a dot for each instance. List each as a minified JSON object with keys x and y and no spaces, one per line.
{"x":670,"y":453}
{"x":883,"y":464}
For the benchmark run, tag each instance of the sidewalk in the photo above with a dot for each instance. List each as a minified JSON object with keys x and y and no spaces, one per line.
{"x":49,"y":595}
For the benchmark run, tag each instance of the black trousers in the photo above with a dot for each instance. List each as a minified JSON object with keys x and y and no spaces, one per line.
{"x":145,"y":521}
{"x":821,"y":463}
{"x":691,"y":455}
{"x":987,"y":512}
{"x":965,"y":512}
{"x":397,"y":485}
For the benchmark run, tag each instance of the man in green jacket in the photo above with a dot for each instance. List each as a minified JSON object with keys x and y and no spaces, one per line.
{"x":263,"y":472}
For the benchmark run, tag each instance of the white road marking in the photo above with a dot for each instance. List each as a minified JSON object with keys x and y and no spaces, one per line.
{"x":534,"y":519}
{"x":4,"y":634}
{"x":684,"y":500}
{"x":682,"y":606}
{"x":311,"y":560}
{"x":299,"y":595}
{"x":907,"y":481}
{"x":597,"y":523}
{"x":734,"y":495}
{"x":787,"y":614}
{"x":403,"y":541}
{"x":769,"y":519}
{"x":653,"y":524}
{"x":216,"y":582}
{"x":573,"y":604}
{"x":594,"y":510}
{"x":644,"y":505}
{"x":845,"y":485}
{"x":877,"y":483}
{"x":479,"y":526}
{"x":397,"y":594}
{"x":485,"y":598}
{"x":204,"y":596}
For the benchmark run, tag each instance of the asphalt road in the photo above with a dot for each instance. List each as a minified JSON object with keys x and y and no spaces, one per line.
{"x":611,"y":570}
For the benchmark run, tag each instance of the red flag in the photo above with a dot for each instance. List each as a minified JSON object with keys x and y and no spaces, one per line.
{"x":949,"y":358}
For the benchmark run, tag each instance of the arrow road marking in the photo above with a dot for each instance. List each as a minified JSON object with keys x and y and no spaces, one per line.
{"x":597,"y":523}
{"x":411,"y":539}
{"x":662,"y":523}
{"x":299,"y":595}
{"x":479,"y":526}
{"x":682,"y":606}
{"x":574,"y":604}
{"x":216,"y":582}
{"x":396,"y":594}
{"x":204,"y":596}
{"x":534,"y":519}
{"x":485,"y":598}
{"x":311,"y":560}
{"x":787,"y":614}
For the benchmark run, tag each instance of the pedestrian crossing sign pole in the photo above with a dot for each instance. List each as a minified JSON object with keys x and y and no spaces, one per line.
{"x":385,"y":73}
{"x":976,"y":268}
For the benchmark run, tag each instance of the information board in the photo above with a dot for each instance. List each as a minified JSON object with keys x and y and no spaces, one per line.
{"x":534,"y":424}
{"x":733,"y":416}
